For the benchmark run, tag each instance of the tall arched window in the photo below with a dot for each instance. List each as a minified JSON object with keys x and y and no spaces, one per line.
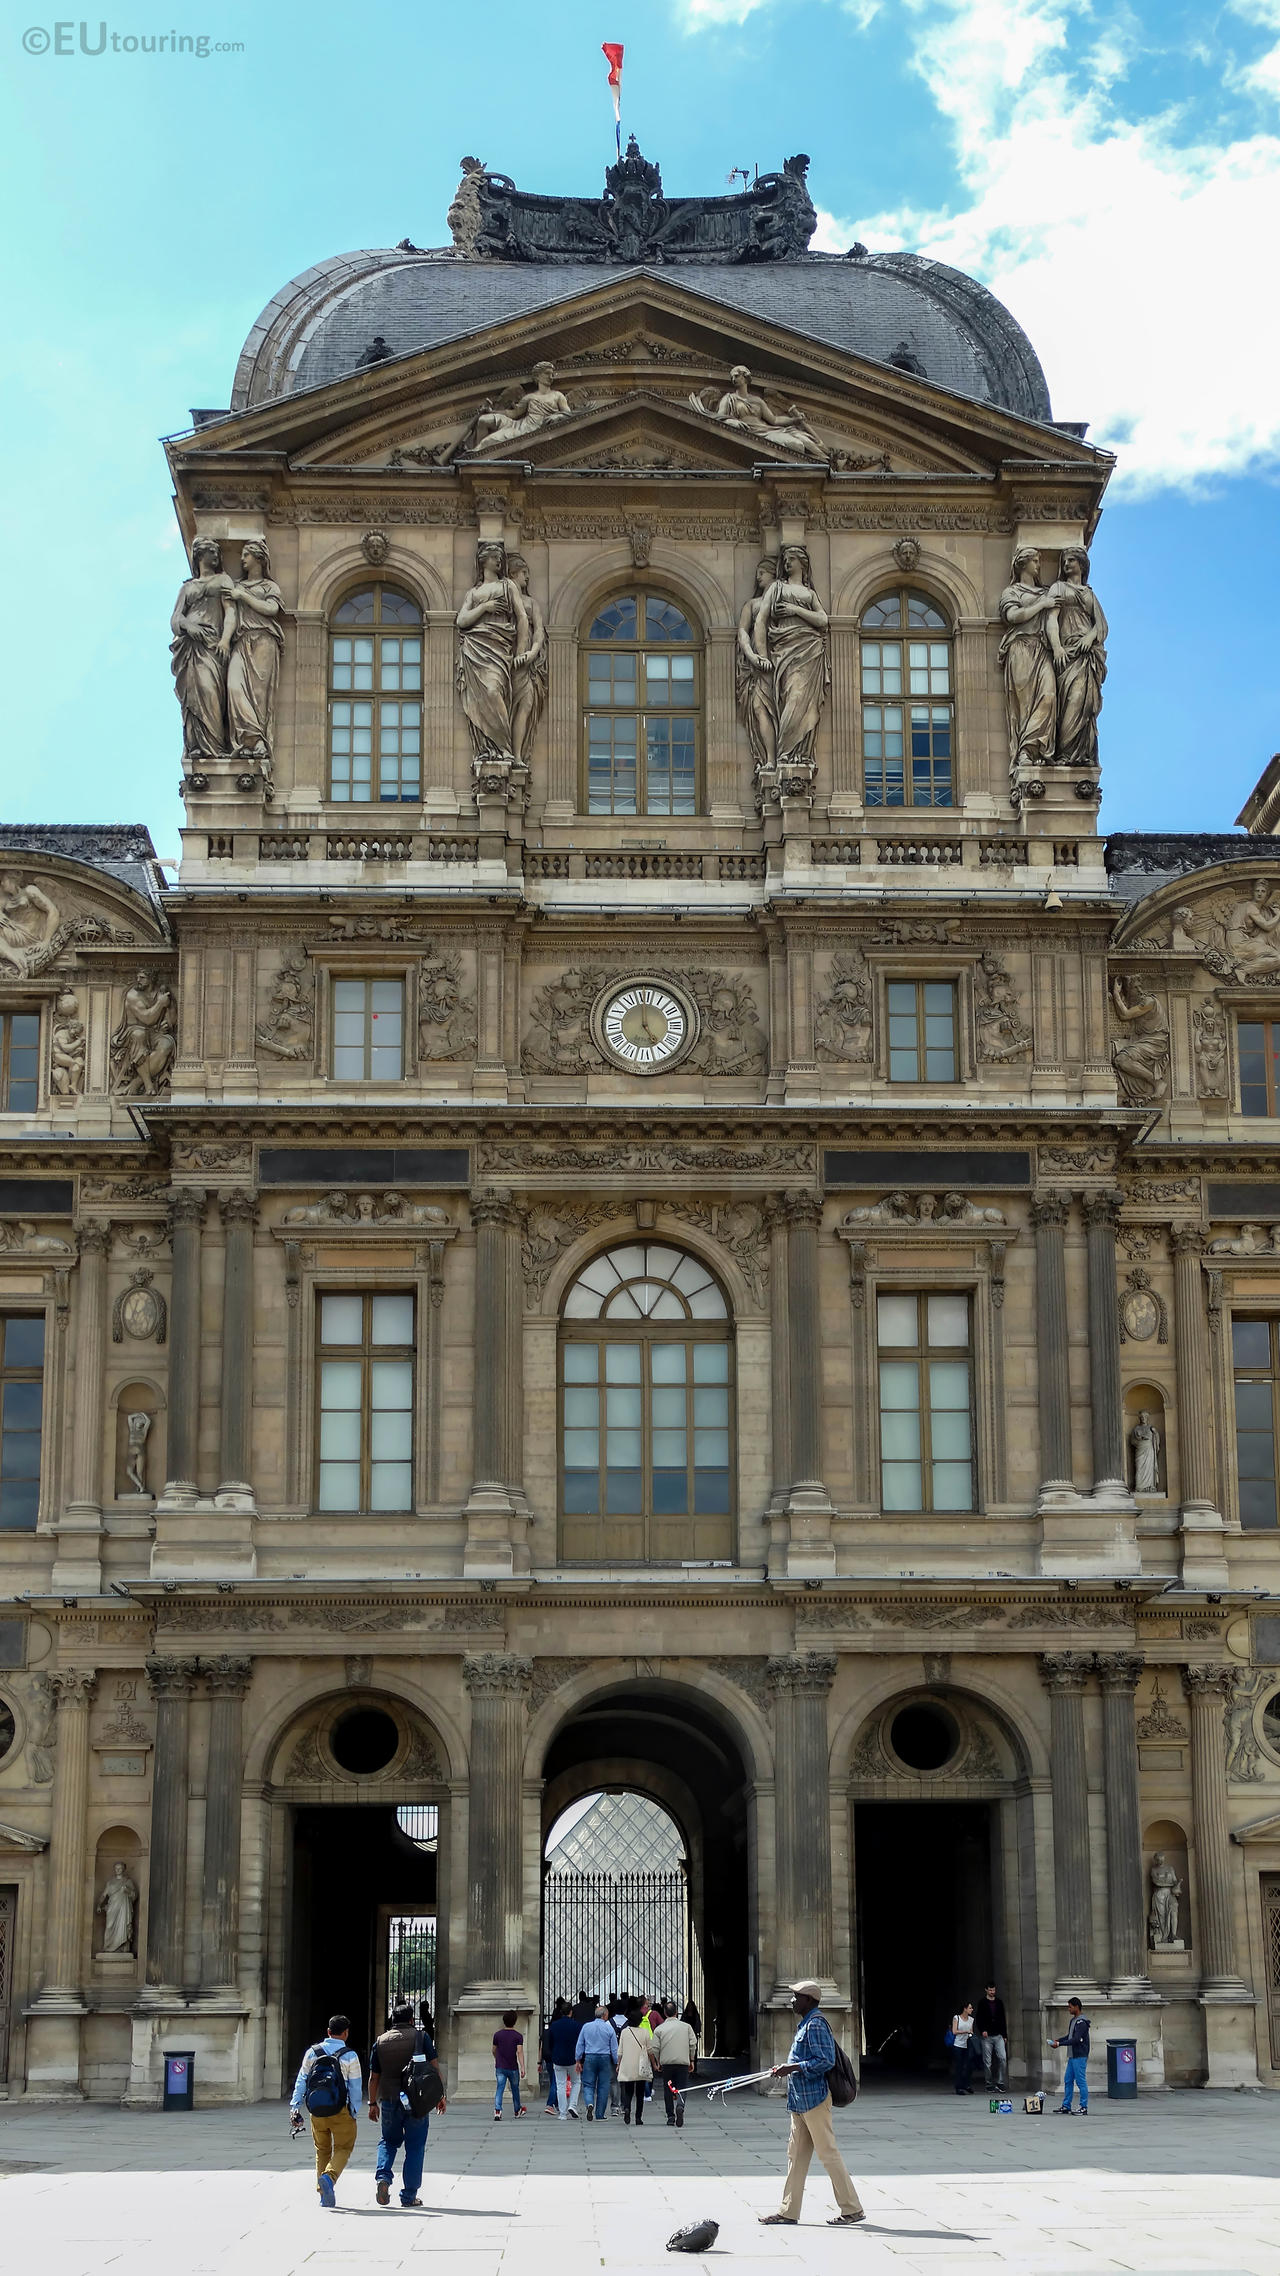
{"x":642,"y":708}
{"x":907,"y":716}
{"x":646,"y":1409}
{"x":375,"y":698}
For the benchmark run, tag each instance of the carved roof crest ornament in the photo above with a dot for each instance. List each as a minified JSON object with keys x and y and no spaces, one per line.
{"x":491,"y":220}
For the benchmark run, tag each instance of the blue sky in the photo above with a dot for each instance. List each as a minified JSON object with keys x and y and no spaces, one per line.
{"x":1112,"y":170}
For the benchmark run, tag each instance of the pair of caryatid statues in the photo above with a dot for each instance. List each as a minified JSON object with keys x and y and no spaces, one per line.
{"x":226,"y":647}
{"x":783,"y":673}
{"x":1054,"y":658}
{"x":501,"y":670}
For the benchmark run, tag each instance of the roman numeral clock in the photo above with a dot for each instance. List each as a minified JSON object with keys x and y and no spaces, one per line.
{"x":644,"y":1026}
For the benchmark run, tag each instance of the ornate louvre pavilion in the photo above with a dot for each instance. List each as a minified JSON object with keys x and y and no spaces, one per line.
{"x":655,"y":1213}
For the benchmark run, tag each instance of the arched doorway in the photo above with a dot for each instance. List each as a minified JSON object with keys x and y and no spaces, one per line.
{"x":660,"y":1742}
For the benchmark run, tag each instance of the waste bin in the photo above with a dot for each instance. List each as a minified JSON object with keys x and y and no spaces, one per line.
{"x":179,"y":2081}
{"x":1122,"y":2069}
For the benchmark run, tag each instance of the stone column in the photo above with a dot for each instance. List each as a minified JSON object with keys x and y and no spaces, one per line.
{"x":226,"y":1679}
{"x":810,"y":1548}
{"x":1101,"y":1211}
{"x":1053,"y":1356}
{"x":498,"y":1684}
{"x":1118,"y":1673}
{"x":800,"y":1683}
{"x":1208,"y":1689}
{"x":239,"y":1218}
{"x":490,"y":1507}
{"x":1203,"y":1560}
{"x":186,"y":1217}
{"x":53,"y":2038}
{"x":1065,"y":1675}
{"x":171,"y":1682}
{"x":78,"y":1564}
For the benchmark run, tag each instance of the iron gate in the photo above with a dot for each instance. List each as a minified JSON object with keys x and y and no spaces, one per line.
{"x":411,"y":1960}
{"x":628,"y":1932}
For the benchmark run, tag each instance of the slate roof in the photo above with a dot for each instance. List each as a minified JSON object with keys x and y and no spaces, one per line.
{"x":1139,"y":862}
{"x":122,"y":850}
{"x":319,"y":327}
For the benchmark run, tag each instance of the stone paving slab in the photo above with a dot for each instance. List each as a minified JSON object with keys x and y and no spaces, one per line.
{"x":1166,"y":2186}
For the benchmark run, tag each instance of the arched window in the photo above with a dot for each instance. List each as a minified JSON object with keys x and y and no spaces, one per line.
{"x":642,"y":712}
{"x":375,"y":698}
{"x":907,"y":717}
{"x":646,"y":1408}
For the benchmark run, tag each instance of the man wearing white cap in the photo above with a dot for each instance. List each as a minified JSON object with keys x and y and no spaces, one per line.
{"x":813,"y":2052}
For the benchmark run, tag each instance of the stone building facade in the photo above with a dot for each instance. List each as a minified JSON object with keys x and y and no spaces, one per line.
{"x":654,"y":1210}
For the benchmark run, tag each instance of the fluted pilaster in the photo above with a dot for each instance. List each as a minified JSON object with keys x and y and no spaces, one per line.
{"x":90,"y":1383}
{"x":1053,"y":1354}
{"x":226,"y":1680}
{"x":1065,"y":1675}
{"x":171,"y":1684}
{"x":1208,"y":1690}
{"x":73,"y":1690}
{"x":239,"y":1217}
{"x":1101,"y":1214}
{"x":1191,"y":1359}
{"x":1118,"y":1674}
{"x":800,"y":1684}
{"x":186,"y":1218}
{"x":498,"y":1685}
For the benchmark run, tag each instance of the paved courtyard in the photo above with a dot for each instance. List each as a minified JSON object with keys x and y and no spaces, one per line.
{"x":1170,"y":2183}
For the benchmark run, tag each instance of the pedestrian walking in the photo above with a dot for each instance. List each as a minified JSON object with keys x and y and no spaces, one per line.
{"x":675,"y":2047}
{"x":547,"y":2060}
{"x":597,"y":2051}
{"x":330,"y":2088}
{"x":993,"y":2032}
{"x":635,"y":2067}
{"x":404,"y":2089}
{"x":962,"y":2026}
{"x":689,"y":2014}
{"x":1076,"y":2042}
{"x":508,"y":2065}
{"x":813,"y":2054}
{"x":562,"y":2040}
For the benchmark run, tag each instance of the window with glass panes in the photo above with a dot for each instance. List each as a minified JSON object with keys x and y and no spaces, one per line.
{"x":368,"y":1030}
{"x":21,"y":1418}
{"x":1255,"y":1356}
{"x":19,"y":1062}
{"x":907,"y":718}
{"x":375,"y":699}
{"x":646,"y":1410}
{"x":364,"y":1401}
{"x":641,"y":720}
{"x":1258,"y":1048}
{"x":926,"y":1402}
{"x":922,"y":1031}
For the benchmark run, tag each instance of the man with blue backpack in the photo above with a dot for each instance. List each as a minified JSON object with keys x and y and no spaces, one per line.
{"x":329,"y":2086}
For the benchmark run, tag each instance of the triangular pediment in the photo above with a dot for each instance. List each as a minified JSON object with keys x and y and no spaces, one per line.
{"x":635,"y":428}
{"x":1258,"y":1829}
{"x":16,"y":1837}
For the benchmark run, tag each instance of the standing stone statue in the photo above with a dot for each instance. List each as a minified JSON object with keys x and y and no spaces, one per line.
{"x":1030,"y":687}
{"x":1144,"y":1438}
{"x":1077,"y":634}
{"x":1162,"y":1920}
{"x":252,"y":641}
{"x":202,"y":618}
{"x":144,"y":1043}
{"x":67,"y":1043}
{"x":530,"y":679}
{"x":119,"y":1904}
{"x":493,"y":629}
{"x":754,"y":677}
{"x":135,"y":1468}
{"x":791,"y":633}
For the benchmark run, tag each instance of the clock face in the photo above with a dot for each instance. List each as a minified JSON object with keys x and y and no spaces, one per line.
{"x":643,"y":1026}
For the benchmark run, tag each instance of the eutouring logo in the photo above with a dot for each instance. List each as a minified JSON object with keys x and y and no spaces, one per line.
{"x":99,"y":39}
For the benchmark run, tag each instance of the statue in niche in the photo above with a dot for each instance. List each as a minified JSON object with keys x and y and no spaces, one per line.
{"x":1077,"y":635}
{"x":755,"y":689}
{"x":1030,"y":685}
{"x":1209,"y":1043}
{"x":446,"y":1018}
{"x":493,"y":629}
{"x":1140,"y":1059}
{"x":1250,"y":928}
{"x":749,"y":414}
{"x":144,"y":1043}
{"x":119,"y":1905}
{"x":1162,"y":1920}
{"x":135,"y":1465}
{"x":28,"y":922}
{"x":1144,"y":1440}
{"x":252,"y":641}
{"x":791,"y":635}
{"x":66,"y":1047}
{"x":530,"y":683}
{"x":519,"y":415}
{"x":202,"y":618}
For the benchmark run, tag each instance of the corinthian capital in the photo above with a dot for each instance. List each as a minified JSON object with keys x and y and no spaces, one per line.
{"x":493,"y":1206}
{"x":227,"y":1675}
{"x":811,"y":1673}
{"x":239,"y":1207}
{"x":1119,"y":1671}
{"x":801,"y":1208}
{"x":489,"y":1675}
{"x":73,"y":1686}
{"x":1065,"y":1671}
{"x":171,"y":1679}
{"x":186,"y":1206}
{"x":1102,"y":1207}
{"x":1209,"y":1680}
{"x":1187,"y":1240}
{"x":1050,"y":1208}
{"x":94,"y":1237}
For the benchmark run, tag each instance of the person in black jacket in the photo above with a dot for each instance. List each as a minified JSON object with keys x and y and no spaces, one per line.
{"x":1076,"y":2043}
{"x":993,"y":2032}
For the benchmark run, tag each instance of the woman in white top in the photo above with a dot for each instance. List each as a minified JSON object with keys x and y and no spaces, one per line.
{"x":961,"y":2034}
{"x":635,"y":2067}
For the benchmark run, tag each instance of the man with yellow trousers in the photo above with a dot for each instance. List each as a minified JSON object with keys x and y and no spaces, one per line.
{"x":330,"y":2087}
{"x":813,"y":2053}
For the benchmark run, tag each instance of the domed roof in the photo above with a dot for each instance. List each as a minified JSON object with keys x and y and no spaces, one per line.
{"x":893,"y":308}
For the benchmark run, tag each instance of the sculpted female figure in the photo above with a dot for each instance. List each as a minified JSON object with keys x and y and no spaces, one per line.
{"x":1030,"y":689}
{"x":252,"y":640}
{"x":543,"y":404}
{"x":1250,"y":928}
{"x":118,"y":1903}
{"x":782,"y":430}
{"x":1140,"y":1058}
{"x":754,"y":676}
{"x":493,"y":629}
{"x":791,"y":633}
{"x":202,"y":616}
{"x":1077,"y":633}
{"x":530,"y":682}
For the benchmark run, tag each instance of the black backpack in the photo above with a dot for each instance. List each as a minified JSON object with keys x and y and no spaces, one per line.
{"x":842,"y":2079}
{"x":420,"y":2082}
{"x":325,"y":2093}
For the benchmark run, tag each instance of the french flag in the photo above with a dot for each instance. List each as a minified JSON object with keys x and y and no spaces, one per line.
{"x":612,"y":52}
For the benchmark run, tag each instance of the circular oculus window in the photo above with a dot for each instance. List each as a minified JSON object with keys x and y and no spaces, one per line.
{"x":364,"y":1740}
{"x":8,"y":1729}
{"x":924,"y":1736}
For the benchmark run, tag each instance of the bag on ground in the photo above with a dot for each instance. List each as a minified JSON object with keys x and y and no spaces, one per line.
{"x":695,"y":2236}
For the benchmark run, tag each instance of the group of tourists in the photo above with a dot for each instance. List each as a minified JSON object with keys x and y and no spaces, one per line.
{"x":405,"y":2087}
{"x":608,"y":2054}
{"x":981,"y":2033}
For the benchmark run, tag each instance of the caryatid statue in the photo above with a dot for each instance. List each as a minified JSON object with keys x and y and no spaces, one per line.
{"x":754,"y":675}
{"x":1077,"y":634}
{"x":1026,"y":658}
{"x":790,"y":632}
{"x":251,"y":642}
{"x":494,"y":629}
{"x":530,"y":681}
{"x":202,"y":616}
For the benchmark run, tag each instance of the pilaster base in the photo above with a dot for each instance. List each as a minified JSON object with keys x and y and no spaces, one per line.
{"x":1081,"y":1537}
{"x":1231,"y":2049}
{"x":1202,"y":1550}
{"x":492,"y":1517}
{"x":53,"y":2048}
{"x":204,"y":1540}
{"x":810,"y":1548}
{"x":77,"y":1566}
{"x":1132,"y":2009}
{"x":214,"y":2036}
{"x":476,"y":2017}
